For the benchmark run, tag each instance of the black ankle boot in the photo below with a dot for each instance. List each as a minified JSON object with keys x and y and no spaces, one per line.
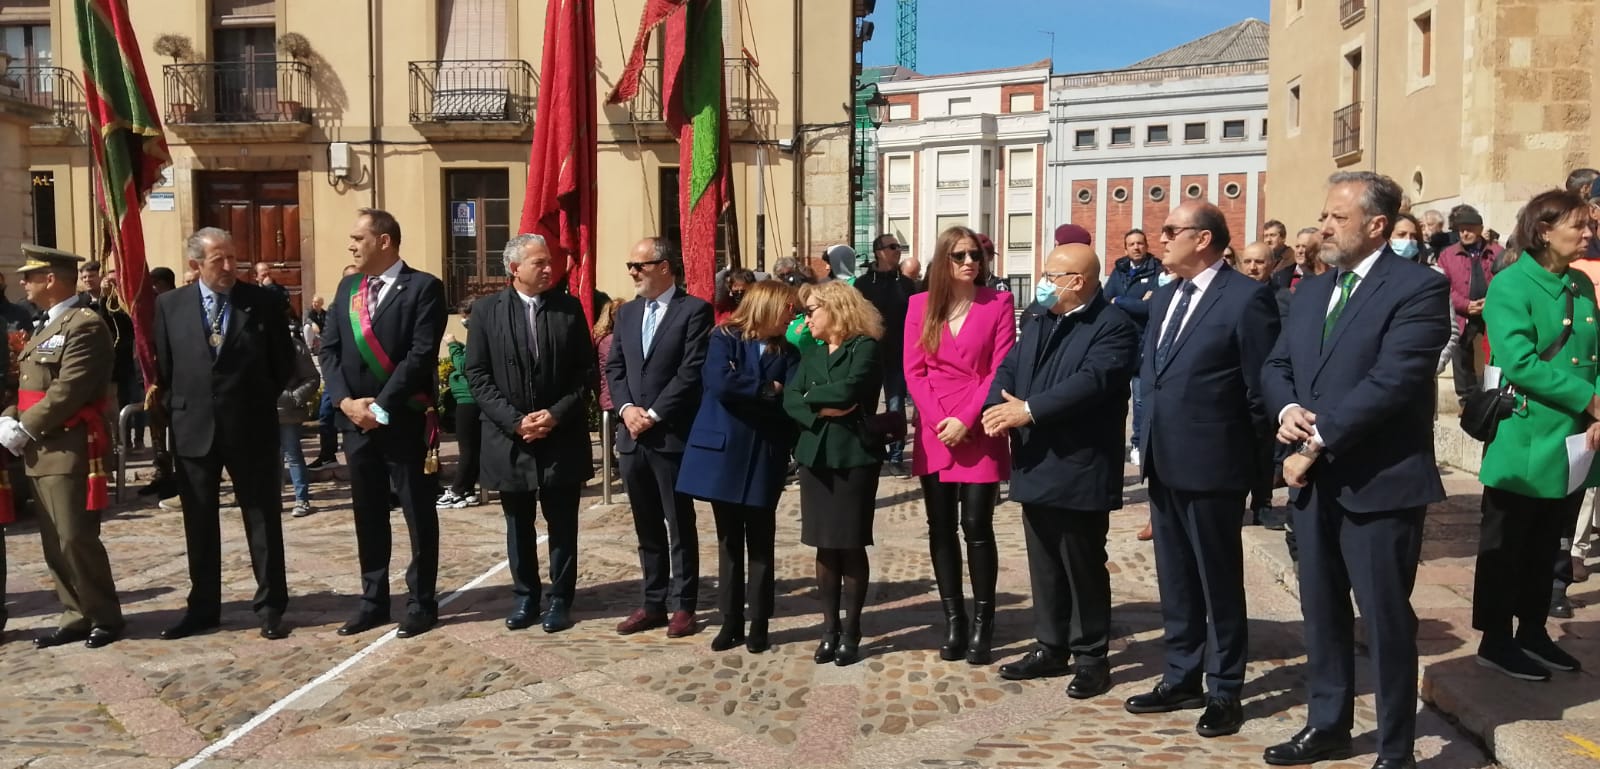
{"x":755,"y":641}
{"x":978,"y":652}
{"x":955,"y":630}
{"x":731,"y":634}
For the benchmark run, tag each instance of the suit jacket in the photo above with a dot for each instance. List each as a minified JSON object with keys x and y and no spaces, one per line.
{"x":953,"y":382}
{"x":849,"y":376}
{"x":70,"y":360}
{"x":508,"y":383}
{"x":1074,"y":373}
{"x":667,"y":380}
{"x":1371,"y":384}
{"x":741,"y":435}
{"x":1204,"y":411}
{"x":409,"y":323}
{"x":229,"y":397}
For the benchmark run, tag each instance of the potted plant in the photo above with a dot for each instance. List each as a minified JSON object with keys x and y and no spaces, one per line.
{"x":179,"y":49}
{"x":299,"y":48}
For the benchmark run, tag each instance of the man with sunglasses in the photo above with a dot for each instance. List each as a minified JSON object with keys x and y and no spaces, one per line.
{"x":653,"y":370}
{"x":890,"y":292}
{"x":1210,"y":332}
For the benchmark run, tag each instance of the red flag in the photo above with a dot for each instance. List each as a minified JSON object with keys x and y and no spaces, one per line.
{"x":560,"y":200}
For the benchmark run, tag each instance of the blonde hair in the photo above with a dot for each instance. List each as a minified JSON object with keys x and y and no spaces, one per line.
{"x":766,"y":304}
{"x":851,"y":313}
{"x":606,"y":321}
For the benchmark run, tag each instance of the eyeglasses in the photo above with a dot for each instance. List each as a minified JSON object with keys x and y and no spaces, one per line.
{"x":1055,"y":276}
{"x":961,"y":257}
{"x":637,"y":266}
{"x":1169,"y":232}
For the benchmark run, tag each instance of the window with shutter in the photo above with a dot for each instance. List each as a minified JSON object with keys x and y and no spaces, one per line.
{"x":954,"y":170}
{"x":472,"y":29}
{"x":244,"y":13}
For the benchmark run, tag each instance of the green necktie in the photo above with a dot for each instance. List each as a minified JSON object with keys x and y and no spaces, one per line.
{"x":1347,"y":284}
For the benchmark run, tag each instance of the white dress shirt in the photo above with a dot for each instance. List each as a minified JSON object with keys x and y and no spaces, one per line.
{"x":388,"y":277}
{"x":1201,"y":283}
{"x":530,"y":308}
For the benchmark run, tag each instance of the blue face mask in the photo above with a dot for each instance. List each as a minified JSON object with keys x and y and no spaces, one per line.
{"x":1165,"y":278}
{"x":1406,"y":248}
{"x":1045,"y":293}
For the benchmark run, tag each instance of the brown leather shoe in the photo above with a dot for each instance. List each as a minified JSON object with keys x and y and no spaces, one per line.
{"x":641,"y":620}
{"x":682,"y":624}
{"x":1580,"y":570}
{"x":1146,"y":534}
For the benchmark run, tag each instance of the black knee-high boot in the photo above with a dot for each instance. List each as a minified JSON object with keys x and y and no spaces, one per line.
{"x":944,"y":549}
{"x":983,"y":562}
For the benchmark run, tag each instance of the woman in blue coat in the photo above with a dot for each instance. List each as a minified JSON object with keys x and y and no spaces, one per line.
{"x":739,"y":449}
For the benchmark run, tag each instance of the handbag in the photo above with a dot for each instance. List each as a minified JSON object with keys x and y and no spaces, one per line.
{"x":1483,"y":410}
{"x":887,"y":427}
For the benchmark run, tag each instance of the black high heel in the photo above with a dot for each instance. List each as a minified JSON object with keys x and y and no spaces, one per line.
{"x":827,"y":650}
{"x":849,"y":651}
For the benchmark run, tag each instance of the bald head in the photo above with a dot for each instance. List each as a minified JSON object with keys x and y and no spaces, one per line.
{"x":1254,"y":261}
{"x":1074,"y":269}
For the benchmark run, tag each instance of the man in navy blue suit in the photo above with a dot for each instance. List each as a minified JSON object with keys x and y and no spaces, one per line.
{"x":1209,"y":333}
{"x":1351,"y":381}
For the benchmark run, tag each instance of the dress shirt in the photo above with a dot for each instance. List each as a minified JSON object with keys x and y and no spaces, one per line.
{"x":59,"y":309}
{"x":1201,"y":283}
{"x":388,"y":277}
{"x":661,"y":312}
{"x":1361,"y":269}
{"x":530,"y":308}
{"x":207,"y":297}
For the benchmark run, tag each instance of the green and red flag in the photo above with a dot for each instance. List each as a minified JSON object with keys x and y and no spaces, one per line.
{"x":693,"y":96}
{"x":129,"y":153}
{"x":560,"y":200}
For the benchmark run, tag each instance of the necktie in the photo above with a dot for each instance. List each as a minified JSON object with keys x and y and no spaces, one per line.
{"x":1174,"y":324}
{"x":1347,"y":284}
{"x":650,"y":309}
{"x":40,"y":319}
{"x":533,"y":329}
{"x":374,"y":288}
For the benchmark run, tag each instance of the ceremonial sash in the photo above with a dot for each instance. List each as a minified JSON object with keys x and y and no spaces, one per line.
{"x":382,"y":366}
{"x":92,"y":417}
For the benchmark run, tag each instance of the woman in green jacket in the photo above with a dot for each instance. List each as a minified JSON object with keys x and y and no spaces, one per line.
{"x":469,"y":431}
{"x":831,"y":394}
{"x":1527,"y":500}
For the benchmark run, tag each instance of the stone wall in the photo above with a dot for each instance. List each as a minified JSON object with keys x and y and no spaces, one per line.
{"x":16,"y":188}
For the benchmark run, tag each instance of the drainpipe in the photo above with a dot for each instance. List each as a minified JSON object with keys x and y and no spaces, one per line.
{"x":800,"y":212}
{"x":372,"y":99}
{"x":1377,"y":31}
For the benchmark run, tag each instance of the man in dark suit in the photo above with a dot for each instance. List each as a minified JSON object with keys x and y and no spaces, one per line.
{"x":654,"y":373}
{"x":223,"y":355}
{"x":1062,"y":391}
{"x":1210,"y":331}
{"x":529,"y":363}
{"x":1351,"y":382}
{"x":379,"y":369}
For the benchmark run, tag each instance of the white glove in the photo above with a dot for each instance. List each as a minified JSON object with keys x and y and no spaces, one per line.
{"x":13,"y":437}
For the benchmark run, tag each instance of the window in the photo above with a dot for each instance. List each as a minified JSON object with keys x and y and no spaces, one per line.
{"x":471,"y":29}
{"x":1193,"y":192}
{"x":1422,"y":46}
{"x":1019,"y":232}
{"x":29,"y":46}
{"x":1122,"y":137}
{"x":960,"y":105}
{"x":1194,"y":132}
{"x":1263,"y":128}
{"x":1120,"y":194}
{"x":1022,"y":102}
{"x":1294,"y":108}
{"x":954,"y":170}
{"x":1084,"y":139}
{"x":900,"y":173}
{"x":1232,"y":189}
{"x":1020,"y":167}
{"x":988,"y":168}
{"x":1232,"y":130}
{"x":477,"y":218}
{"x":945,"y":222}
{"x":900,"y":228}
{"x":1085,"y":195}
{"x":1158,"y":193}
{"x":900,"y":111}
{"x":1157,"y":134}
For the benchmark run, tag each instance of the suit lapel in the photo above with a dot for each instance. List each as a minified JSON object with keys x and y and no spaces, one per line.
{"x":393,"y":294}
{"x":1365,"y":289}
{"x":1209,"y":299}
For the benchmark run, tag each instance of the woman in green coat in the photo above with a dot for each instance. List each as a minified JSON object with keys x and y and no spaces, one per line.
{"x":1527,"y":504}
{"x":831,"y":394}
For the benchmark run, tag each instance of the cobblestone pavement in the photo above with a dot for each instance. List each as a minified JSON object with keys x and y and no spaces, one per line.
{"x":473,"y":692}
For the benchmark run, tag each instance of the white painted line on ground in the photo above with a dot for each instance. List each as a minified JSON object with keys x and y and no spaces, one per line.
{"x":332,"y":673}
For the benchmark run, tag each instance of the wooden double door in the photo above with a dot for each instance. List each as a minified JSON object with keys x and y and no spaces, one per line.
{"x":262,"y":211}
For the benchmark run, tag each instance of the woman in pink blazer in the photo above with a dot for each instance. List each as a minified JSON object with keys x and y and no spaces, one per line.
{"x":956,"y":335}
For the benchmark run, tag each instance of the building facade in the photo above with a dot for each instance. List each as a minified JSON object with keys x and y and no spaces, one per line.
{"x":966,"y":149}
{"x":1187,"y":124}
{"x":285,"y":116}
{"x":1486,"y":102}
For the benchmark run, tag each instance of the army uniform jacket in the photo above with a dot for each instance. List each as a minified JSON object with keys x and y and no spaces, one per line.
{"x":70,"y":361}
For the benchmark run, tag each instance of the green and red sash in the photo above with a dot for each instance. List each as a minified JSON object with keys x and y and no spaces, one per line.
{"x":382,"y":365}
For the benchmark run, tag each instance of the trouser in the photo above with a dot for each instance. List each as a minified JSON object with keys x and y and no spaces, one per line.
{"x":70,"y":537}
{"x":294,"y":455}
{"x":560,"y":505}
{"x":971,"y":505}
{"x":469,"y":437}
{"x":1138,"y":411}
{"x":327,"y":431}
{"x":894,"y":401}
{"x":745,"y":530}
{"x":663,"y":520}
{"x":1582,"y":532}
{"x":1071,"y":587}
{"x":256,"y":480}
{"x":390,"y":458}
{"x":1514,"y":570}
{"x":1200,"y":574}
{"x":1464,"y":365}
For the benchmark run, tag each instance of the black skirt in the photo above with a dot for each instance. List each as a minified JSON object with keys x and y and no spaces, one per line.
{"x":837,"y":505}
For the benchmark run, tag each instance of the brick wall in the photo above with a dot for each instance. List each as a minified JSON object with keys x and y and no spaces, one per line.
{"x":1037,"y":89}
{"x":905,"y":98}
{"x":1235,"y":209}
{"x":1083,"y":214}
{"x":1155,"y":211}
{"x":1119,"y":218}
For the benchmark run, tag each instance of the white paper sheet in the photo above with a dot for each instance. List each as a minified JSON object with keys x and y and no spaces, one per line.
{"x":1491,"y":378}
{"x":1579,"y":458}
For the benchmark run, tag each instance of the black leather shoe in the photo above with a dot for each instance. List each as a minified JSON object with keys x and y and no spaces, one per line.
{"x":1537,"y":644}
{"x":1508,"y":658}
{"x":1038,"y":663}
{"x":1560,"y":607}
{"x":363,"y":622}
{"x":849,"y":651}
{"x":755,"y":641}
{"x":60,"y":637}
{"x":1223,"y":716}
{"x":525,"y":616}
{"x":272,"y":627}
{"x":731,"y":634}
{"x":1165,"y":699}
{"x":100,"y":636}
{"x":1092,"y":680}
{"x":416,"y":623}
{"x":1396,"y":763}
{"x":558,"y":617}
{"x":827,"y":649}
{"x":191,"y":624}
{"x":1308,"y":746}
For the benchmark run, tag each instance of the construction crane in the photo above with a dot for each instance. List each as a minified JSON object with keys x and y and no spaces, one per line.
{"x":906,"y":34}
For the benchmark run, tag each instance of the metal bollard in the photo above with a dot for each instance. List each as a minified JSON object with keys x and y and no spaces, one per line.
{"x":123,"y":418}
{"x":606,"y":436}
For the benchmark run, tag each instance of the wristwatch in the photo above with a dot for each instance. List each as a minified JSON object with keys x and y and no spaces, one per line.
{"x":1307,"y":449}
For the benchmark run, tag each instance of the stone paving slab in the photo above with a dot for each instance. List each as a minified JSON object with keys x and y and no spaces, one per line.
{"x":472,"y":692}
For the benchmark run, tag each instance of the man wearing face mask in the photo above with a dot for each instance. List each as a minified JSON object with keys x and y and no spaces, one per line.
{"x":1062,"y":393}
{"x":1469,"y":266}
{"x":890,"y":291}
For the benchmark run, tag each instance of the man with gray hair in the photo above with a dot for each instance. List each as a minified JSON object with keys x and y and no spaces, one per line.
{"x":529,"y":363}
{"x":1351,"y":385}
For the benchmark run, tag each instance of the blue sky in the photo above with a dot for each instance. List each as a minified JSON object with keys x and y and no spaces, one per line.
{"x":962,"y":35}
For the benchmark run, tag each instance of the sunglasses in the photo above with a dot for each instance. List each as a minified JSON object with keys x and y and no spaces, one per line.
{"x":961,"y":257}
{"x":637,"y":266}
{"x":1169,"y":232}
{"x":891,"y":247}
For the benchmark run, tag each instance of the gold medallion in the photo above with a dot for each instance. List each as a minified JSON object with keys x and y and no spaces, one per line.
{"x":216,"y":340}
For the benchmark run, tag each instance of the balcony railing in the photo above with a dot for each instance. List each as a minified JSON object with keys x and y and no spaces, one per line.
{"x":1347,"y":130}
{"x":479,"y":91}
{"x":55,"y":89}
{"x":1351,"y":10}
{"x":238,"y":92}
{"x":648,"y":105}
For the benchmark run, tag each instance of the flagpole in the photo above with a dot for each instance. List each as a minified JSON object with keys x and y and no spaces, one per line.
{"x":761,"y":207}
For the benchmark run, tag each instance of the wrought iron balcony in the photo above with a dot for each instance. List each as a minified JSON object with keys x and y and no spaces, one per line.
{"x":478,"y":90}
{"x":649,"y":105}
{"x":1347,"y":130}
{"x":215,"y":92}
{"x":1351,"y":11}
{"x":56,"y":89}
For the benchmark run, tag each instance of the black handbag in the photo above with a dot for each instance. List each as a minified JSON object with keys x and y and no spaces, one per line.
{"x":1483,"y":410}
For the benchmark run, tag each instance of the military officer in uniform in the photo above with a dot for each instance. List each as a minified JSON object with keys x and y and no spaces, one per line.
{"x":57,"y":426}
